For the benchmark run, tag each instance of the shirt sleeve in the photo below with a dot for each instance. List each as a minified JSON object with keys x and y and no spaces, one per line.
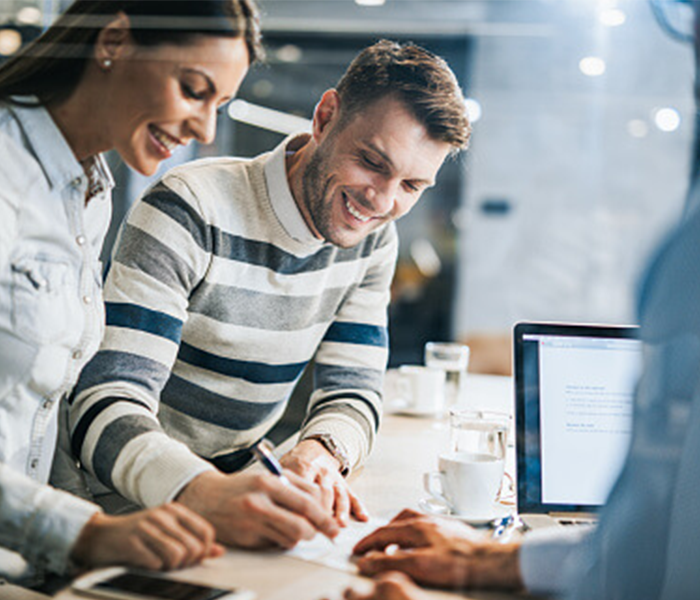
{"x":351,"y":360}
{"x":8,"y":228}
{"x":161,"y":255}
{"x":38,"y":521}
{"x":549,"y":558}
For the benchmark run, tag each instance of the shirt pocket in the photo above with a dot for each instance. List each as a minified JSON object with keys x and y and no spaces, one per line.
{"x":41,"y":299}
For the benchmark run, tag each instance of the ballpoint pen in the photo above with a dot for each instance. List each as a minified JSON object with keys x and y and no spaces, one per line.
{"x":502,"y":528}
{"x":263,"y":452}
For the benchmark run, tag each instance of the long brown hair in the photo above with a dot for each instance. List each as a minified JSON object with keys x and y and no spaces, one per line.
{"x":51,"y":66}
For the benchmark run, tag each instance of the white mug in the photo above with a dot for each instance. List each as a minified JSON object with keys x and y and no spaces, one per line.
{"x":421,"y":390}
{"x":467,"y":483}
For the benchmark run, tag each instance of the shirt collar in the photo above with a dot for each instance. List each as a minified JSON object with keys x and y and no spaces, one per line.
{"x":283,"y":203}
{"x":53,"y":153}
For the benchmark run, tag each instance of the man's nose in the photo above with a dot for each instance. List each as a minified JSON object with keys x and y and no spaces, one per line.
{"x":382,"y":196}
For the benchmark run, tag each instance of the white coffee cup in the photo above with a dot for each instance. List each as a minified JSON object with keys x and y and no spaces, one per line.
{"x":421,"y":390}
{"x":467,"y":483}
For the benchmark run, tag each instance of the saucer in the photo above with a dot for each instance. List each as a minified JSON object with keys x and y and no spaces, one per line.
{"x":438,"y":509}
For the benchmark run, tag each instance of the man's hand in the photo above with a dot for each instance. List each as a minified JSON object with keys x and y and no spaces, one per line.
{"x":439,"y":553}
{"x":256,"y":510}
{"x":167,"y":537}
{"x":310,"y":459}
{"x":390,"y":586}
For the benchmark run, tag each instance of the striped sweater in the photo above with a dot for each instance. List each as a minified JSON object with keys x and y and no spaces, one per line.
{"x":217,"y":298}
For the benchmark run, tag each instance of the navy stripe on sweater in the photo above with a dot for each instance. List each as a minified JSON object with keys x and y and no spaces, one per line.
{"x":254,"y":372}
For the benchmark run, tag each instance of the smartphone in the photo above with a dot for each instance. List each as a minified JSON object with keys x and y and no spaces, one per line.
{"x":122,"y":584}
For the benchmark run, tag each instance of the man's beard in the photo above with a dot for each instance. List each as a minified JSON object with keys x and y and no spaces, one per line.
{"x":315,"y":183}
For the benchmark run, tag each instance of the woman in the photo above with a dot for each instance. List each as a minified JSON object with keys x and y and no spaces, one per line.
{"x":141,"y":77}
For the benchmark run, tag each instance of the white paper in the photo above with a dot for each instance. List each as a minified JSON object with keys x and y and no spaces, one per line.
{"x":338,"y":552}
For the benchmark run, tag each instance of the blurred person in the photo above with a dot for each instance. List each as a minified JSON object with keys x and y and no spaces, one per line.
{"x":140,"y":77}
{"x":647,"y":541}
{"x":231,"y":275}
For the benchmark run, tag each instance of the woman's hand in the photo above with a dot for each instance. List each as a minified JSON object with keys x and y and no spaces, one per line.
{"x":162,"y":538}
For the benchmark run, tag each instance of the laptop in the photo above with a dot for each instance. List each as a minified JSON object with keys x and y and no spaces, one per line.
{"x":574,"y":391}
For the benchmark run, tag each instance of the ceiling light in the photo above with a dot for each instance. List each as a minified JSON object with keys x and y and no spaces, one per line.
{"x":289,"y":53}
{"x":29,"y":15}
{"x":473,"y":109}
{"x":10,"y":41}
{"x":592,"y":66}
{"x":370,"y":2}
{"x":637,"y":128}
{"x":612,"y":17}
{"x":267,"y":118}
{"x":667,"y":119}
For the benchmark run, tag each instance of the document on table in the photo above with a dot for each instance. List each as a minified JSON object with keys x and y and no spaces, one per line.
{"x":337,"y":553}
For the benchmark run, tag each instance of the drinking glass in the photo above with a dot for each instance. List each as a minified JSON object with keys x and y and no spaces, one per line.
{"x":453,"y":359}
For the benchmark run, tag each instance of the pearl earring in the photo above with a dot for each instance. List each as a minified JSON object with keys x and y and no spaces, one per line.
{"x":107,"y":63}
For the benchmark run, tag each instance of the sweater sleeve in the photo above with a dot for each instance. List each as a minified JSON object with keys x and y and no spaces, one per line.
{"x":351,"y":360}
{"x":161,"y":255}
{"x":38,"y":521}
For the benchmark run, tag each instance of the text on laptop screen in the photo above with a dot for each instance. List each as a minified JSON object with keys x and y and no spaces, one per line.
{"x":579,"y":394}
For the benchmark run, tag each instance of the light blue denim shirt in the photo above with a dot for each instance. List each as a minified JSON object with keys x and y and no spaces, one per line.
{"x":51,"y":323}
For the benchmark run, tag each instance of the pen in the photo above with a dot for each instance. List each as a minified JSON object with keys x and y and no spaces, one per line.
{"x":503,"y":527}
{"x":263,"y":452}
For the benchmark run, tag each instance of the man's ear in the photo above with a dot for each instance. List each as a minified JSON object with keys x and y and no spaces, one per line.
{"x":114,"y":39}
{"x":326,"y":114}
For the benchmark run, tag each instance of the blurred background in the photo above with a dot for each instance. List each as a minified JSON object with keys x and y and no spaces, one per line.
{"x":584,"y":128}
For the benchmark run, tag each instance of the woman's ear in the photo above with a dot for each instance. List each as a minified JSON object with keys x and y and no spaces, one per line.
{"x":326,"y":114}
{"x":114,"y":40}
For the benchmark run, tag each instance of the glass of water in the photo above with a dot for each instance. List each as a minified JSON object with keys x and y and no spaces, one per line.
{"x":479,"y":432}
{"x":453,"y":359}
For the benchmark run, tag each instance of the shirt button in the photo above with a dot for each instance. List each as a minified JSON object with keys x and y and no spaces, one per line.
{"x":47,"y":404}
{"x":34,"y":464}
{"x":80,"y":240}
{"x":87,"y":299}
{"x":76,"y":182}
{"x":78,"y":354}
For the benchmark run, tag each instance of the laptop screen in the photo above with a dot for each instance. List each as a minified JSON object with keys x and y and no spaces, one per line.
{"x":574,"y":393}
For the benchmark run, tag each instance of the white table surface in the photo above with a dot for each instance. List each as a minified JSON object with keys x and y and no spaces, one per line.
{"x":391,"y":480}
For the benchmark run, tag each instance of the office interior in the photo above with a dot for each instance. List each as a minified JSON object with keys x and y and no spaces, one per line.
{"x":583,"y":117}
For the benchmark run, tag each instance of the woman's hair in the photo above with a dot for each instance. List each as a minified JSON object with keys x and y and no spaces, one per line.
{"x":51,"y":66}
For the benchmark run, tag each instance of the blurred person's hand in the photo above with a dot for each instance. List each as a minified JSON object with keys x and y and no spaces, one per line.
{"x":439,"y":553}
{"x":389,"y":586}
{"x":162,"y":538}
{"x":257,"y":510}
{"x":310,"y":460}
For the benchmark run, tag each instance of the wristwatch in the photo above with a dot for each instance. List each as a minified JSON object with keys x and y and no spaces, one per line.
{"x":334,"y":449}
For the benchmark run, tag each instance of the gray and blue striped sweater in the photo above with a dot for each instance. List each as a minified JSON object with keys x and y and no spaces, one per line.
{"x":217,"y":298}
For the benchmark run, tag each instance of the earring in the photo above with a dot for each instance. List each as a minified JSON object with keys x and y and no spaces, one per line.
{"x":107,"y":63}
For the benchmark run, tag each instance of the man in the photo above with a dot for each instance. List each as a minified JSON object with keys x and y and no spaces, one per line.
{"x":230,"y":275}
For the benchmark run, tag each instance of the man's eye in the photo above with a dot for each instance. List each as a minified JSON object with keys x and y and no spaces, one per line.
{"x":411,"y":187}
{"x":191,"y":93}
{"x":370,"y":163}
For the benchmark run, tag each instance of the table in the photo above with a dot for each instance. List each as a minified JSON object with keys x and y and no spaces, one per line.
{"x":391,"y":480}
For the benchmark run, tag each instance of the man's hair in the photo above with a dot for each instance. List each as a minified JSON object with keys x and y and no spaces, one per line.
{"x":418,"y":78}
{"x":52,"y":66}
